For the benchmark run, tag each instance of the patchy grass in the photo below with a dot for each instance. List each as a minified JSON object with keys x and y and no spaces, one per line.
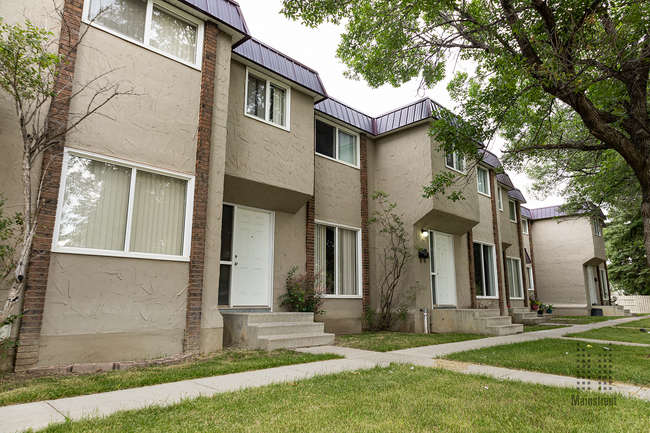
{"x":584,"y":320}
{"x":629,"y":364}
{"x":393,"y":399}
{"x":23,"y":388}
{"x":612,"y":333}
{"x":643,"y":323}
{"x":534,"y":328}
{"x":387,"y":341}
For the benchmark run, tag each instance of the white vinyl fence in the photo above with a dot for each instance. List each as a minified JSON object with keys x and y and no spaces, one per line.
{"x":636,"y":304}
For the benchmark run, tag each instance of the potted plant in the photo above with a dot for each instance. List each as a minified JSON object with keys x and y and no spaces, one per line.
{"x":549,"y":309}
{"x":540,"y":308}
{"x":534,"y":303}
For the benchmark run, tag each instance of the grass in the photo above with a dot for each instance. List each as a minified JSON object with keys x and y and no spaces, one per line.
{"x":534,"y":328}
{"x":643,"y":323}
{"x":630,"y":364}
{"x":387,"y":341}
{"x":583,"y":320}
{"x":16,"y":389}
{"x":392,"y":399}
{"x":612,"y":333}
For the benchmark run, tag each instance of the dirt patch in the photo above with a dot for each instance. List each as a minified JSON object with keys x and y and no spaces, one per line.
{"x":452,"y":365}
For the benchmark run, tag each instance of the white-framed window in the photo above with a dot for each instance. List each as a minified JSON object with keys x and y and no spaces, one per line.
{"x":524,"y":226}
{"x":500,"y":198}
{"x":531,"y":284}
{"x":337,"y":259}
{"x":455,"y":161}
{"x":513,"y":211}
{"x":604,"y":283}
{"x":514,"y":278}
{"x":597,"y":231}
{"x":111,"y":207}
{"x":337,"y":143}
{"x":152,"y":24}
{"x":485,"y":270}
{"x":482,"y":178}
{"x":267,"y":100}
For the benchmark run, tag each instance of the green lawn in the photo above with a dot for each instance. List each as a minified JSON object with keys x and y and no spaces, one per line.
{"x":533,"y":328}
{"x":629,"y":364}
{"x":643,"y":323}
{"x":612,"y":333}
{"x":387,"y":341}
{"x":21,"y":389}
{"x":392,"y":399}
{"x":583,"y":320}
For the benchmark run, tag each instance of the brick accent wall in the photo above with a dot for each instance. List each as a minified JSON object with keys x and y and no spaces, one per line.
{"x":472,"y":276}
{"x":497,"y":243}
{"x":365,"y":237}
{"x":532,"y":256}
{"x":522,"y":256}
{"x":309,"y":236}
{"x":202,"y":169}
{"x":34,"y":301}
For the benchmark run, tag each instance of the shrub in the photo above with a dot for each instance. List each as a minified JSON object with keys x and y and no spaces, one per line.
{"x":304,"y":293}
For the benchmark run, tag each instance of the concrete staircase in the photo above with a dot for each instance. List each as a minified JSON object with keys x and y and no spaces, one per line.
{"x":479,"y":321}
{"x":524,"y":316}
{"x":270,"y":331}
{"x":613,"y":310}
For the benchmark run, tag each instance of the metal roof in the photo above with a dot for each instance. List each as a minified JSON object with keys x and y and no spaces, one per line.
{"x":340,"y":111}
{"x":528,"y":260}
{"x":403,"y":116}
{"x":553,"y":212}
{"x":505,"y":179}
{"x":284,"y":66}
{"x":525,"y":213}
{"x":515,"y":194}
{"x":489,"y":158}
{"x":224,"y":11}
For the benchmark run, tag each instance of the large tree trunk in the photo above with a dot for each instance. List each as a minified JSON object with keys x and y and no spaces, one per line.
{"x":645,"y":213}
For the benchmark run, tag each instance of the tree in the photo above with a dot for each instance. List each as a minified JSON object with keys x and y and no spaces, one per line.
{"x":569,"y":75}
{"x":40,"y":86}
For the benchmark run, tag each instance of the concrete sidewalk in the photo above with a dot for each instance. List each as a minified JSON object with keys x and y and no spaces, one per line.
{"x":40,"y":414}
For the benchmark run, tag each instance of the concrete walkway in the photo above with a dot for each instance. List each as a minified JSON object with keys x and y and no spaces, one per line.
{"x":40,"y":414}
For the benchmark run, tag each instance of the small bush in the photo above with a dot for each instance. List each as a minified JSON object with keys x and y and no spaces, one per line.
{"x":304,"y":293}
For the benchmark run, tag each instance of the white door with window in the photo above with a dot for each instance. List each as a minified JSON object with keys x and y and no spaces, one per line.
{"x":251,"y":265}
{"x":593,"y":296}
{"x":443,"y":270}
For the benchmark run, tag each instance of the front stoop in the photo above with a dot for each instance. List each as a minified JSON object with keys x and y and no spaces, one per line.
{"x":479,"y":321}
{"x":271,"y":331}
{"x":524,"y":316}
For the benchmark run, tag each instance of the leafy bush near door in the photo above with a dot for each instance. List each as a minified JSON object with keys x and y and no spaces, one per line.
{"x":304,"y":293}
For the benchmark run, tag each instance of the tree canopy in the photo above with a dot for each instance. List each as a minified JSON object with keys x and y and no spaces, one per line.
{"x":570,"y":75}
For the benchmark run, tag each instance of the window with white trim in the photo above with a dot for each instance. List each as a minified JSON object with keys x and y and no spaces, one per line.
{"x":117,"y":208}
{"x":455,"y":161}
{"x":485,"y":270}
{"x":337,"y":143}
{"x":529,"y":270}
{"x":500,"y":198}
{"x":336,"y":259}
{"x":514,"y":278}
{"x":513,"y":211}
{"x":597,"y":231}
{"x":482,"y":177}
{"x":604,"y":283}
{"x":150,"y":23}
{"x":267,"y":100}
{"x":524,"y":226}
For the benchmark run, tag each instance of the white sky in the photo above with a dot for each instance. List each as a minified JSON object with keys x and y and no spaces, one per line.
{"x":316,"y":48}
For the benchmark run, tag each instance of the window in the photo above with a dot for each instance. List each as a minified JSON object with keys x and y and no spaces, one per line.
{"x":513,"y":211}
{"x":337,"y":259}
{"x":484,"y":270}
{"x":482,"y":177}
{"x":336,"y":143}
{"x":514,"y":279}
{"x":500,"y":199}
{"x":112,"y":207}
{"x":455,"y":161}
{"x":152,"y":24}
{"x":524,"y":226}
{"x":529,"y":270}
{"x":604,"y":283}
{"x":266,"y":100}
{"x":597,"y":231}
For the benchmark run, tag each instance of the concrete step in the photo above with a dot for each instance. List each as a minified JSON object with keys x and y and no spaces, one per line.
{"x":279,"y":317}
{"x":487,"y":312}
{"x":505,"y":329}
{"x":528,"y":318}
{"x":514,"y":310}
{"x":291,"y":341}
{"x":493,"y":321}
{"x":280,"y":328}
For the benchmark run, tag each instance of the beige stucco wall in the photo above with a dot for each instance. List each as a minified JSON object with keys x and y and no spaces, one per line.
{"x":338,"y":192}
{"x":484,"y":230}
{"x":268,"y":156}
{"x":508,"y":235}
{"x":289,"y":250}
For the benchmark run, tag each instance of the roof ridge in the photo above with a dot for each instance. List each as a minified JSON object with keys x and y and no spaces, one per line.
{"x":283,"y":55}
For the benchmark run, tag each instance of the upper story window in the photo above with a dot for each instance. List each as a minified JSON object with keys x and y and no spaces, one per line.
{"x":267,"y":100}
{"x":153,"y":24}
{"x":513,"y":211}
{"x":597,"y":231}
{"x":455,"y":161}
{"x":111,"y":207}
{"x":337,"y":143}
{"x":524,"y":226}
{"x":500,"y":198}
{"x":482,"y":177}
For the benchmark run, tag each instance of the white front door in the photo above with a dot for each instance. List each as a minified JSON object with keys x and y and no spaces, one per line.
{"x":592,"y":286}
{"x":251,"y":271}
{"x":443,"y":271}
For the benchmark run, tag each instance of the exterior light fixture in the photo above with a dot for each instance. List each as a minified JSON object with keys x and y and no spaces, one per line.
{"x":425,"y":232}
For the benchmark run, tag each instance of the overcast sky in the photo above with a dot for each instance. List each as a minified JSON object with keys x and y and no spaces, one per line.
{"x":316,"y":48}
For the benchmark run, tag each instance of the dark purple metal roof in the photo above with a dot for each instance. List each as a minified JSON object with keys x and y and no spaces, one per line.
{"x":490,"y":158}
{"x":505,"y":179}
{"x":553,"y":212}
{"x":273,"y":60}
{"x":342,"y":112}
{"x":403,"y":116}
{"x":224,"y":11}
{"x":525,"y":212}
{"x":528,"y":260}
{"x":515,"y":194}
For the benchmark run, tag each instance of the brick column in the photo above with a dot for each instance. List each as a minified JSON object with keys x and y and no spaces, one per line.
{"x":39,"y":260}
{"x":522,"y":256}
{"x":309,"y":236}
{"x":472,"y":276}
{"x":497,"y":243}
{"x":365,"y":237}
{"x":202,"y":169}
{"x":532,"y":256}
